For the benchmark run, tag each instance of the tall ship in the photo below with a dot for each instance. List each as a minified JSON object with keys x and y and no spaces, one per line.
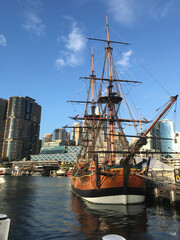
{"x":106,"y":171}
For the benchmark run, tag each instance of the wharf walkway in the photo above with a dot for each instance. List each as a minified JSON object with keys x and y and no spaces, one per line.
{"x":163,"y":188}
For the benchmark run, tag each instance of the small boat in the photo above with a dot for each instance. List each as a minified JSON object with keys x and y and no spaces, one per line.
{"x":106,"y":171}
{"x":62,"y":171}
{"x":2,"y":180}
{"x":2,"y":171}
{"x":113,"y":237}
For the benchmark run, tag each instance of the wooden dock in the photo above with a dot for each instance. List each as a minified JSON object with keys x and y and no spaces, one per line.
{"x":163,"y":188}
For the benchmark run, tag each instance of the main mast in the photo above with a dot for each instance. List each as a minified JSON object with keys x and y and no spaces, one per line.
{"x":110,"y":104}
{"x":92,"y":76}
{"x":92,"y":81}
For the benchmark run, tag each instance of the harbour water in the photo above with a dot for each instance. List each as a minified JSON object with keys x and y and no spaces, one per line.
{"x":45,"y":208}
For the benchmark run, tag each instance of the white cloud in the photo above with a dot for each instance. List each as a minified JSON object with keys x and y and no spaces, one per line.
{"x":75,"y":41}
{"x":74,"y":44}
{"x":161,"y":8}
{"x":59,"y":63}
{"x":32,"y":21}
{"x":34,"y":3}
{"x":3,"y":41}
{"x":33,"y":24}
{"x":74,"y":59}
{"x":127,"y":12}
{"x":124,"y":11}
{"x":125,"y":61}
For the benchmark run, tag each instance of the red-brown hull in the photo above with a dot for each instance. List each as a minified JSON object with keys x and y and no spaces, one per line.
{"x":111,"y":187}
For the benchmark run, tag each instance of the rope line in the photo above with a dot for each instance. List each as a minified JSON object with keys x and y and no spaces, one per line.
{"x":151,"y":76}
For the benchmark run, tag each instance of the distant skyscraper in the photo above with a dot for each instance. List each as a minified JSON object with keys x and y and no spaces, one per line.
{"x":47,"y":138}
{"x":21,"y":138}
{"x":164,"y":129}
{"x":152,"y":141}
{"x":68,"y":137}
{"x":3,"y":110}
{"x":60,"y":134}
{"x":77,"y":133}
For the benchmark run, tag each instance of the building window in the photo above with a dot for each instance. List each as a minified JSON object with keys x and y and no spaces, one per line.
{"x":28,"y":106}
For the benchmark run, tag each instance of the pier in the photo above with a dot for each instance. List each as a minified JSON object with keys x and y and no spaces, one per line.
{"x":163,"y":188}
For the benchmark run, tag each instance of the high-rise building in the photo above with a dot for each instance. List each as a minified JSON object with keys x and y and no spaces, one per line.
{"x":61,"y":135}
{"x":47,"y":138}
{"x":21,"y":138}
{"x":164,"y":137}
{"x":151,"y":141}
{"x":77,"y":133}
{"x":3,"y":110}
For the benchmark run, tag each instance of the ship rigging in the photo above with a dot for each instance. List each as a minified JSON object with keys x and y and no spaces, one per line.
{"x":105,"y":167}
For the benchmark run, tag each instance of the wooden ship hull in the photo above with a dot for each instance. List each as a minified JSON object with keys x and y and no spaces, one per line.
{"x":110,"y":187}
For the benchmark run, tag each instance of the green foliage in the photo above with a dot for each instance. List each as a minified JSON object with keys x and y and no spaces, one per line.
{"x":5,"y":164}
{"x":67,"y":165}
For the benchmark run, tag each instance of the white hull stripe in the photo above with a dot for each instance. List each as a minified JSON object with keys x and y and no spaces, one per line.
{"x":117,"y":199}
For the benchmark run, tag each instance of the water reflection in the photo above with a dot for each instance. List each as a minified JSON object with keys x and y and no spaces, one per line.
{"x":44,"y":208}
{"x":98,"y":220}
{"x":2,"y":180}
{"x":15,"y":199}
{"x":163,"y":220}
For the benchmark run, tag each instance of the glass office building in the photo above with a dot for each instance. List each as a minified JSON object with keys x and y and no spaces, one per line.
{"x":21,"y":138}
{"x":164,"y":129}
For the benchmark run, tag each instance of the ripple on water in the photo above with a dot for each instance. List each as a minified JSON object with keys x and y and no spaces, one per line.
{"x":45,"y":208}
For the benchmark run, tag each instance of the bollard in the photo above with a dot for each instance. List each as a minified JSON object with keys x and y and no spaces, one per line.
{"x":156,"y":193}
{"x":172,"y":197}
{"x":4,"y":227}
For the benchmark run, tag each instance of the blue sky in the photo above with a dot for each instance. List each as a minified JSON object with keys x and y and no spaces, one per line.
{"x":44,"y":51}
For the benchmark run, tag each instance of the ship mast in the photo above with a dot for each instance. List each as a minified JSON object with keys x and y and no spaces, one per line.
{"x":110,"y":105}
{"x":92,"y":76}
{"x":92,"y":81}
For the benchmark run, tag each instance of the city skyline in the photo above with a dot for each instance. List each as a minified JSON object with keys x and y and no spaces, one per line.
{"x":21,"y":125}
{"x":152,"y":143}
{"x":44,"y":51}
